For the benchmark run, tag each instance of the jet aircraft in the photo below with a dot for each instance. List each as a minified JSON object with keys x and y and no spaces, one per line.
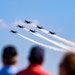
{"x":13,"y":31}
{"x":20,"y":26}
{"x":33,"y":31}
{"x":40,"y":27}
{"x":28,"y":22}
{"x":52,"y":33}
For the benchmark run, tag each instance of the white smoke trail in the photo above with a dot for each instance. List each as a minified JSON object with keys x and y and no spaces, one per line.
{"x":51,"y":41}
{"x":57,"y":37}
{"x":49,"y":47}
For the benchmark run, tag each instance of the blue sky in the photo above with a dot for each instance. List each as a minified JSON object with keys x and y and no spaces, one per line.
{"x":55,"y":15}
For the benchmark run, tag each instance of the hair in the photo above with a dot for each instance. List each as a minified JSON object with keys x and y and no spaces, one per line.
{"x":68,"y":64}
{"x":36,"y":55}
{"x":9,"y":53}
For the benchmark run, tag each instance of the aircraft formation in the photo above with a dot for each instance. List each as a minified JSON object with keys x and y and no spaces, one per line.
{"x":64,"y":47}
{"x":29,"y":22}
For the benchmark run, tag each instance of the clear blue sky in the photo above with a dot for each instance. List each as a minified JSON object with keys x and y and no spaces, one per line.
{"x":55,"y":15}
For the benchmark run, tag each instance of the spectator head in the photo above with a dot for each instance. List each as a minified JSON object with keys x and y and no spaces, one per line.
{"x":67,"y":66}
{"x":9,"y":56}
{"x":36,"y":55}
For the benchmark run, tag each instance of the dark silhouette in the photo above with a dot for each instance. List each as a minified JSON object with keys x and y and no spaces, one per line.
{"x":33,"y":31}
{"x":13,"y":31}
{"x":36,"y":58}
{"x":40,"y":27}
{"x":67,"y":65}
{"x":20,"y":26}
{"x":9,"y":58}
{"x":36,"y":55}
{"x":52,"y":33}
{"x":28,"y":22}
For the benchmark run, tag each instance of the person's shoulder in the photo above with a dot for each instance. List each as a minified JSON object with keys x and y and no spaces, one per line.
{"x":22,"y":72}
{"x":0,"y":71}
{"x":8,"y":70}
{"x":12,"y":70}
{"x":3,"y":71}
{"x":41,"y":71}
{"x":44,"y":72}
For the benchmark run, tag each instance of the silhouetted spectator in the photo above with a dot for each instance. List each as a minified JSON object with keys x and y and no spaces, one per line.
{"x":9,"y":58}
{"x":36,"y":58}
{"x":67,"y":66}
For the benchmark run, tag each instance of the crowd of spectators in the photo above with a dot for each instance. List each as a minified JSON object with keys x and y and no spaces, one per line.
{"x":36,"y":59}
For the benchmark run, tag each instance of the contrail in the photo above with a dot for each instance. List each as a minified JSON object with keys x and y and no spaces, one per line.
{"x":38,"y":43}
{"x":56,"y":37}
{"x":51,"y":41}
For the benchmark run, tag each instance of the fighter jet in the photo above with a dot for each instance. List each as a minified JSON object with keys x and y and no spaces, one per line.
{"x":40,"y":27}
{"x":33,"y":31}
{"x":20,"y":26}
{"x":52,"y":33}
{"x":28,"y":22}
{"x":13,"y":31}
